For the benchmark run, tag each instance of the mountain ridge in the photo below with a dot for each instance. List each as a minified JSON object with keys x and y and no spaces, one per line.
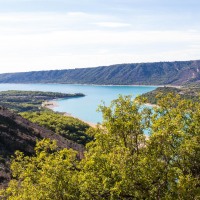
{"x":157,"y":73}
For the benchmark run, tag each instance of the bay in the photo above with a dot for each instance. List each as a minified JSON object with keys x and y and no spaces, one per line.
{"x":83,"y":107}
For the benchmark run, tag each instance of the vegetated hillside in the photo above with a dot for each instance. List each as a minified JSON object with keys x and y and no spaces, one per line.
{"x":67,"y":126}
{"x":22,"y":101}
{"x":190,"y":93}
{"x":17,"y":133}
{"x":29,"y":105}
{"x":159,"y":73}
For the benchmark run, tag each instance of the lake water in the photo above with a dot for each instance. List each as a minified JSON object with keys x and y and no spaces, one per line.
{"x":83,"y":107}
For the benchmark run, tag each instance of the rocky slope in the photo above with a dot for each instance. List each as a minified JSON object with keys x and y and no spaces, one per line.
{"x":17,"y":133}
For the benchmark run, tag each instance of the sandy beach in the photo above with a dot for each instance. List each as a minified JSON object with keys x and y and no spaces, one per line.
{"x":89,"y":123}
{"x":49,"y":104}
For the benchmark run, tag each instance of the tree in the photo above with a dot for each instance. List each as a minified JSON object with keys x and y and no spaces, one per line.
{"x":115,"y":154}
{"x":173,"y":149}
{"x":50,"y":174}
{"x":163,"y":165}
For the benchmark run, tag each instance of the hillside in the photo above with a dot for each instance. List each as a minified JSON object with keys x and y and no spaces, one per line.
{"x":189,"y":93}
{"x":21,"y":101}
{"x":17,"y":133}
{"x":159,"y":73}
{"x":67,"y":126}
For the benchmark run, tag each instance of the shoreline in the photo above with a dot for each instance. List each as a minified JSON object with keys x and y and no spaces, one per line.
{"x":52,"y":104}
{"x":89,"y":123}
{"x":86,"y":84}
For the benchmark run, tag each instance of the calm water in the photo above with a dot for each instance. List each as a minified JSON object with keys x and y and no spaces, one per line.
{"x":83,"y":107}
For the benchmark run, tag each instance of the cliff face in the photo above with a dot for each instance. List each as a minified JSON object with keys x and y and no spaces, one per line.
{"x":158,"y":73}
{"x":17,"y":133}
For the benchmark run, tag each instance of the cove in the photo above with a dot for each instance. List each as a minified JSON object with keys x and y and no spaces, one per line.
{"x":83,"y":107}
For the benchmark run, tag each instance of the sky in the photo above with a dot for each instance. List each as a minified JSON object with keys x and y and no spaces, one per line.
{"x":62,"y":34}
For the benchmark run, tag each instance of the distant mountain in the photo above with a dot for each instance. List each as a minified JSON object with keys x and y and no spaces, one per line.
{"x":17,"y":133}
{"x":159,"y":73}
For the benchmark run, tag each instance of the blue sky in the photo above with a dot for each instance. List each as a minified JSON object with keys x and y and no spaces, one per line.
{"x":61,"y":34}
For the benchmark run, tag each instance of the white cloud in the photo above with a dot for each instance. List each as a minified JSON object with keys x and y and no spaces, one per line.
{"x":14,"y":23}
{"x":113,"y":24}
{"x":35,"y":41}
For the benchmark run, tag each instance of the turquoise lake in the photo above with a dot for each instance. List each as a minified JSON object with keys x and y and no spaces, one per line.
{"x":83,"y":107}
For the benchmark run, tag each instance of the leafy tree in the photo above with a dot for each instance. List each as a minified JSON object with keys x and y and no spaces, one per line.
{"x":50,"y":174}
{"x":108,"y":168}
{"x":164,"y":165}
{"x":173,"y":143}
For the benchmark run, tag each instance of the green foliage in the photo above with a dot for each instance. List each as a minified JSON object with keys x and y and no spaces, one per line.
{"x":121,"y":162}
{"x":22,"y":101}
{"x":69,"y":127}
{"x":50,"y":174}
{"x":173,"y":143}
